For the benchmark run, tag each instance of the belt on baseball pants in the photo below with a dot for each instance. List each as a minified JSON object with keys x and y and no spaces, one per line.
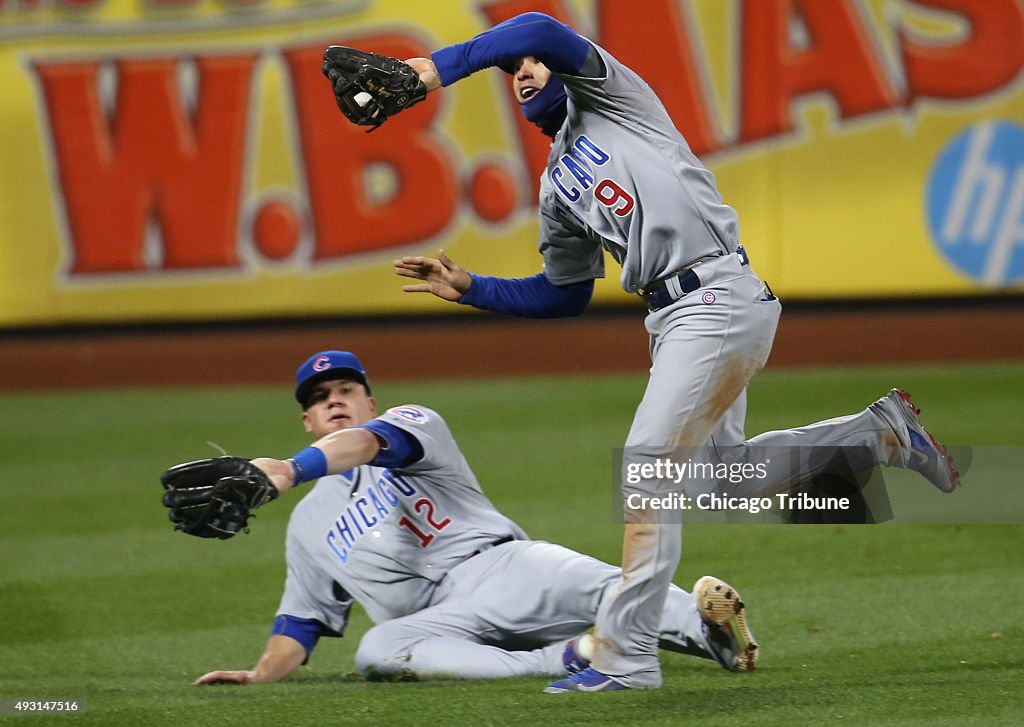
{"x":489,"y":546}
{"x":483,"y":549}
{"x":663,"y":292}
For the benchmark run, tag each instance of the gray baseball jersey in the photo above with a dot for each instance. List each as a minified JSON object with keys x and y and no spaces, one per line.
{"x":621,"y":176}
{"x":388,"y":537}
{"x":446,"y":577}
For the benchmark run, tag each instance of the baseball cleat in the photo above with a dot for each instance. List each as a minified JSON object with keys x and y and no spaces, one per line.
{"x":577,"y":654}
{"x":588,"y":680}
{"x":725,"y":621}
{"x":927,"y":457}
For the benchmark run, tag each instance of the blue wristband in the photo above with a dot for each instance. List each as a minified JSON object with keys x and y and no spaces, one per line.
{"x":309,"y":464}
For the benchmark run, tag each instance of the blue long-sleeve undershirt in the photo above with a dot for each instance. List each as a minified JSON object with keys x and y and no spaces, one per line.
{"x":552,"y":43}
{"x":562,"y":50}
{"x":533,"y":297}
{"x":304,"y":630}
{"x":402,"y":448}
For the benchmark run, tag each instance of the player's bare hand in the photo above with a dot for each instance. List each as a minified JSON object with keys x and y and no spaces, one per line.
{"x":442,"y":277}
{"x":428,"y":72}
{"x":281,"y":474}
{"x":226,"y":677}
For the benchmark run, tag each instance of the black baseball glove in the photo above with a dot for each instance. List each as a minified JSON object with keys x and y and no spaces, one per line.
{"x":214,"y":498}
{"x":370,"y":88}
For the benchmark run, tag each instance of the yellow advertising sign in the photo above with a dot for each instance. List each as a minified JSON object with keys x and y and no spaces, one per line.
{"x":184,"y":159}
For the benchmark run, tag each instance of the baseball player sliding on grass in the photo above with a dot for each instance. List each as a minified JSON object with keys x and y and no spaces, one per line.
{"x":621,"y":178}
{"x":398,"y":523}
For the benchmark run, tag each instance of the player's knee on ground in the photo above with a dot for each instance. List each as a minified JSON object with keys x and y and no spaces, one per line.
{"x":382,"y":654}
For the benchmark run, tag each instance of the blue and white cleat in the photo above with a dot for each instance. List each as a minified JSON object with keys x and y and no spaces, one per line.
{"x":725,"y":624}
{"x":588,"y":680}
{"x":577,"y":654}
{"x":927,"y":457}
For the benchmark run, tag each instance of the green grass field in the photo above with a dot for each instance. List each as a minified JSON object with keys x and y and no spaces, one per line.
{"x":884,"y":624}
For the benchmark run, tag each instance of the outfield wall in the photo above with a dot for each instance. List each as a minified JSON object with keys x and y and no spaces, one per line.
{"x":485,"y":346}
{"x":183,"y":159}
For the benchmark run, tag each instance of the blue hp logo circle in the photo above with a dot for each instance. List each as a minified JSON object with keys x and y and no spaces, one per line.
{"x":976,"y":202}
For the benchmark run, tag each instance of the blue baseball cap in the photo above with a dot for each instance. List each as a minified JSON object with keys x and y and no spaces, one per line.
{"x":326,"y":366}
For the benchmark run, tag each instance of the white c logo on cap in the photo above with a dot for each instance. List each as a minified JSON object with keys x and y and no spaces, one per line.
{"x":322,"y":363}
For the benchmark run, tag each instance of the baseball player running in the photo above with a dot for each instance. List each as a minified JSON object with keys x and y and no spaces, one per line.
{"x":621,"y":178}
{"x":398,"y":523}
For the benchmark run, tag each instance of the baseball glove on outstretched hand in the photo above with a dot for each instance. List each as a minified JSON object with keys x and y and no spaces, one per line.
{"x":370,"y":88}
{"x":214,"y":498}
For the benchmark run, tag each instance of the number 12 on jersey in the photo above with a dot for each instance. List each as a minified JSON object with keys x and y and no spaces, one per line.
{"x":423,"y":505}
